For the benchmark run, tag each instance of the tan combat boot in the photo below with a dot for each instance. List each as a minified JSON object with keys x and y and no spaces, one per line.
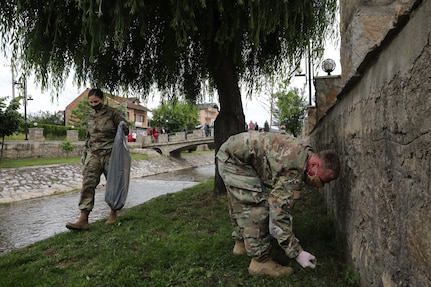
{"x":269,"y":267}
{"x":239,"y":248}
{"x":82,"y":223}
{"x":112,"y":217}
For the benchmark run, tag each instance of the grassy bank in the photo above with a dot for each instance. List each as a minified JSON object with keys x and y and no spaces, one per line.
{"x":180,"y":239}
{"x":20,"y":162}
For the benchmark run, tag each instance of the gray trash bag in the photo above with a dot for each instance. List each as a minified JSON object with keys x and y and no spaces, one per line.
{"x":117,"y":183}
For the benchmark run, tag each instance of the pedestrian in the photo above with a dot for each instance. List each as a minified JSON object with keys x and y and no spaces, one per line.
{"x":155,"y":135}
{"x":251,"y":126}
{"x":263,"y":174}
{"x":134,"y":136}
{"x":102,"y":127}
{"x":207,"y":130}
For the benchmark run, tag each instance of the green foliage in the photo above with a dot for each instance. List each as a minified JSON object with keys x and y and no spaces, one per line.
{"x":179,"y":239}
{"x":137,"y":44}
{"x":175,"y":116}
{"x":290,"y":111}
{"x":67,"y":146}
{"x":55,"y":132}
{"x":55,"y":118}
{"x":10,"y":118}
{"x":79,"y":115}
{"x":20,"y":162}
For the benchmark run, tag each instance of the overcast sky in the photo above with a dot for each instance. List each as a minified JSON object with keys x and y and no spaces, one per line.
{"x":253,"y":110}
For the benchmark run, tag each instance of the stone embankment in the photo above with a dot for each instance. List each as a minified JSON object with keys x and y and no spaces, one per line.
{"x":30,"y":182}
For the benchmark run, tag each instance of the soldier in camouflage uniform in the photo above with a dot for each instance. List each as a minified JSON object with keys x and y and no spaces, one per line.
{"x":263,"y":174}
{"x":101,"y":130}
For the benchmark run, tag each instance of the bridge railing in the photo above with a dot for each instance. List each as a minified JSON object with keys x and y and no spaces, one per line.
{"x":175,"y":137}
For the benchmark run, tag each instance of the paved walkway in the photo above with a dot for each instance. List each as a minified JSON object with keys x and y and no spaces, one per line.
{"x":31,"y":182}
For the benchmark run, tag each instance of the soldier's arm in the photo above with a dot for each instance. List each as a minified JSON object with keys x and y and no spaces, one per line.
{"x":281,"y":201}
{"x":118,"y":118}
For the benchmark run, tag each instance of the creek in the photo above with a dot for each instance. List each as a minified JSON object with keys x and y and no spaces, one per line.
{"x":28,"y":221}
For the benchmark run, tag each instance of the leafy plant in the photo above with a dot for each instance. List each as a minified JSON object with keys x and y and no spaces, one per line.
{"x":290,"y":111}
{"x":10,"y":119}
{"x":67,"y":146}
{"x":175,"y":116}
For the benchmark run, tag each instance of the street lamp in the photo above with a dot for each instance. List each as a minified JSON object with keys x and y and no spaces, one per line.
{"x":328,"y":66}
{"x":25,"y":100}
{"x":307,"y":77}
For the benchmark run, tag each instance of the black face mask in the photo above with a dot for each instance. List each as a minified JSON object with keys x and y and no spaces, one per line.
{"x":98,"y":107}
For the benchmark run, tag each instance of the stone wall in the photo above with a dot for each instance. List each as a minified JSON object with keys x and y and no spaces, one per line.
{"x":38,"y":149}
{"x":380,"y":125}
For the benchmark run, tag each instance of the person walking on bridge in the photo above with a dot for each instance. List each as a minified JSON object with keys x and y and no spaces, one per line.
{"x":101,"y":130}
{"x":263,"y":174}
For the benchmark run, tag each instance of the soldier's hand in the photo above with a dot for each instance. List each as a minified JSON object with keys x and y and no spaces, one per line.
{"x":306,"y":259}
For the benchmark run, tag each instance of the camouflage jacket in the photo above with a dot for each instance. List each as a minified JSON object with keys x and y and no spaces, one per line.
{"x":101,"y":130}
{"x":273,"y":163}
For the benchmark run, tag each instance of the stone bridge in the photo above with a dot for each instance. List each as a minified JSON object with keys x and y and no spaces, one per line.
{"x":173,"y":144}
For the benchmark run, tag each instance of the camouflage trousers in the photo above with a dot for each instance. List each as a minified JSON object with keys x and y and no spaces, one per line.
{"x":249,"y":213}
{"x":94,"y":167}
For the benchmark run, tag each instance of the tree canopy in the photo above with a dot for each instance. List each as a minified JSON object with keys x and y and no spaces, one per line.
{"x":135,"y":44}
{"x":10,"y":119}
{"x":290,"y":111}
{"x":175,"y":116}
{"x":174,"y":45}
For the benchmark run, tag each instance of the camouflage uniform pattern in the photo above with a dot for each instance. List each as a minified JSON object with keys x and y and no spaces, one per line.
{"x":263,"y":172}
{"x":101,"y":130}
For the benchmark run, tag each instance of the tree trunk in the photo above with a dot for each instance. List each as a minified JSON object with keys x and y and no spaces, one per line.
{"x":1,"y":153}
{"x":230,"y":119}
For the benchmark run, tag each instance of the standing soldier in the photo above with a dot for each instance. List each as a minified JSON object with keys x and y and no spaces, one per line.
{"x":263,"y":174}
{"x":101,"y":130}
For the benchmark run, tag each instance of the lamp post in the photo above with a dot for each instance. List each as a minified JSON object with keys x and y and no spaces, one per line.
{"x":307,"y":77}
{"x":25,"y":100}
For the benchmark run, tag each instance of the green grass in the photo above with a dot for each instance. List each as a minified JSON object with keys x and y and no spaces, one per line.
{"x":20,"y":162}
{"x":180,"y":239}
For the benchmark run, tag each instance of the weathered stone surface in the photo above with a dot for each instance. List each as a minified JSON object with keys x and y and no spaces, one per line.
{"x":381,"y":127}
{"x":364,"y":25}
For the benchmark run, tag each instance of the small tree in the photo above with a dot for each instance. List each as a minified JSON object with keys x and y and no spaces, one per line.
{"x":290,"y":111}
{"x":67,"y":146}
{"x":10,"y":119}
{"x":80,"y":115}
{"x":176,"y":116}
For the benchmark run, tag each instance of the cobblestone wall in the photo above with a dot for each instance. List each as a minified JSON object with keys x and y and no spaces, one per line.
{"x":32,"y":149}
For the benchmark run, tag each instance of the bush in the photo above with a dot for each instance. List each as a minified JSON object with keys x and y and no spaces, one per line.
{"x":55,"y":132}
{"x":67,"y":146}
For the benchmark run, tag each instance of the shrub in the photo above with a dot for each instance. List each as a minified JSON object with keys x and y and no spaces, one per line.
{"x":67,"y":146}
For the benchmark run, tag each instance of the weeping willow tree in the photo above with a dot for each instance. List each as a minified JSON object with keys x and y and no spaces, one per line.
{"x":174,"y":45}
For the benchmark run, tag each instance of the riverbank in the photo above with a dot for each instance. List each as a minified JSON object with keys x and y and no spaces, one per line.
{"x":23,"y":183}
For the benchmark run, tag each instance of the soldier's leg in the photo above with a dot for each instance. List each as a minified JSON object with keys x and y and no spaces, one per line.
{"x":249,"y":211}
{"x":91,"y":178}
{"x":105,"y":166}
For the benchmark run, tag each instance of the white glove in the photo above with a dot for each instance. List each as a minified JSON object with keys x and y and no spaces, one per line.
{"x":306,"y":259}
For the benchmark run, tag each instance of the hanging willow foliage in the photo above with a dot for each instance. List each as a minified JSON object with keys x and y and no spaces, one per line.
{"x":138,"y":43}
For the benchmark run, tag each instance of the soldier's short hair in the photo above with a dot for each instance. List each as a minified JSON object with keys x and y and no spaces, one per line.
{"x":330,"y":161}
{"x":96,"y":92}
